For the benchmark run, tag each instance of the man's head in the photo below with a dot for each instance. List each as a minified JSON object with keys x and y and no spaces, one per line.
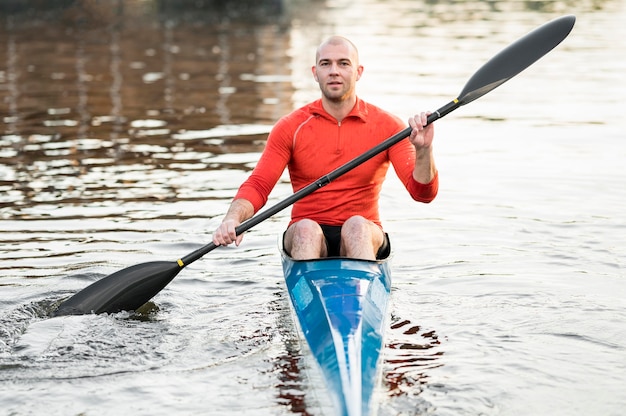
{"x":337,"y":69}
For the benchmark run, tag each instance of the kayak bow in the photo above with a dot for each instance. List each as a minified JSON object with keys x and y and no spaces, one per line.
{"x":341,"y":309}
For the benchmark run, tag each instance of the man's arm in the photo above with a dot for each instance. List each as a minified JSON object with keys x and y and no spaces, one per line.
{"x":253,"y":193}
{"x":425,"y":169}
{"x":422,"y":138}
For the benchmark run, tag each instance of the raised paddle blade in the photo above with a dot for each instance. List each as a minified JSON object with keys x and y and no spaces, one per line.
{"x":124,"y":290}
{"x":516,"y":57}
{"x":509,"y":62}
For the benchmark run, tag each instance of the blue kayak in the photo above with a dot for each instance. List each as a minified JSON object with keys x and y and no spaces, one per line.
{"x":341,"y":308}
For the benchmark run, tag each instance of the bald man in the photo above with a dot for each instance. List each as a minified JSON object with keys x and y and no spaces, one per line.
{"x":341,"y":218}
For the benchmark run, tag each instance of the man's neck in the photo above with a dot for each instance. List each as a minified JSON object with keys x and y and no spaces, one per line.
{"x":339,"y":110}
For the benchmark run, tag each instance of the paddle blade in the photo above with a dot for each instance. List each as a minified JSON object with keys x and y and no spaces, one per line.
{"x":516,"y":57}
{"x":124,"y":290}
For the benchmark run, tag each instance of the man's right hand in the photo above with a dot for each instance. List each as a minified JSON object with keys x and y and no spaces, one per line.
{"x":239,"y":211}
{"x":225,"y":234}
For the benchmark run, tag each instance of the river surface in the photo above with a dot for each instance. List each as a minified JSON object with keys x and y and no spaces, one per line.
{"x":128,"y":126}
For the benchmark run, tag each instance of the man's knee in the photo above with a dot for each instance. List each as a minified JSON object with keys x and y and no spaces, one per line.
{"x":306,"y":228}
{"x":361,"y":238}
{"x":304,"y":239}
{"x":356,"y":224}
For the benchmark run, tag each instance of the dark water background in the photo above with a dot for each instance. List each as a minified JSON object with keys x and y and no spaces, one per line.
{"x":128,"y":125}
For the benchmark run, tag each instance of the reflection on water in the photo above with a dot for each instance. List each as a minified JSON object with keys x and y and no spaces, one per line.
{"x":128,"y":125}
{"x":408,"y":360}
{"x":96,"y":96}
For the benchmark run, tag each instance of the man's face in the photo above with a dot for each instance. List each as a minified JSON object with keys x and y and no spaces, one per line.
{"x":336,"y":71}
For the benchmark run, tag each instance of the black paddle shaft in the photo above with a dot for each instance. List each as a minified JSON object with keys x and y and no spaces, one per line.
{"x":129,"y":288}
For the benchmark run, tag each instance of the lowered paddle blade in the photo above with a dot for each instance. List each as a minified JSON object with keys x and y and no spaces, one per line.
{"x":126,"y":289}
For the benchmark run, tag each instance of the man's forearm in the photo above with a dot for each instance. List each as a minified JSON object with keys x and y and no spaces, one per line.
{"x":239,"y":210}
{"x":425,"y":169}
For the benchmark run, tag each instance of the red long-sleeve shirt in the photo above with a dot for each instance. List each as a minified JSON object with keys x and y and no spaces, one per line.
{"x":311,"y":143}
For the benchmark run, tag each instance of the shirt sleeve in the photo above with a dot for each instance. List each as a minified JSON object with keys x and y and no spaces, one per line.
{"x":269,"y":168}
{"x":402,"y":156}
{"x":424,"y":192}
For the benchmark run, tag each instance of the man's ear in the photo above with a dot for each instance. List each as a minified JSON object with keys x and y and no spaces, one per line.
{"x":314,"y":74}
{"x":359,"y":72}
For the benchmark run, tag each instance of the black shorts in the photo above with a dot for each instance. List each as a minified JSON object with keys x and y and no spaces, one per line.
{"x":333,"y":242}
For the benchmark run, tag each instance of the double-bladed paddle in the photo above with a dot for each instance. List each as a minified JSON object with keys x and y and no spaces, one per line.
{"x":130,"y":288}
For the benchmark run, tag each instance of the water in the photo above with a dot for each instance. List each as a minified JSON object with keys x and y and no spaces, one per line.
{"x":127,"y":127}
